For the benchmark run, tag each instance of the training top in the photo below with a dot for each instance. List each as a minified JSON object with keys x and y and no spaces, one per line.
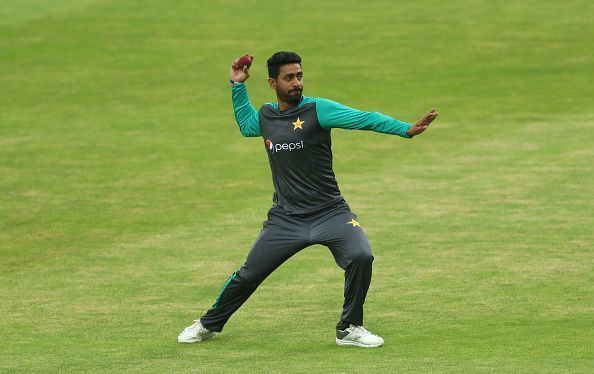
{"x":298,"y":144}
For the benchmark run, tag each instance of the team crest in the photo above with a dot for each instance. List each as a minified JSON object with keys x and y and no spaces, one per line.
{"x":298,"y":124}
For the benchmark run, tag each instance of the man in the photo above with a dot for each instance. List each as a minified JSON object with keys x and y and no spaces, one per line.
{"x":307,"y":205}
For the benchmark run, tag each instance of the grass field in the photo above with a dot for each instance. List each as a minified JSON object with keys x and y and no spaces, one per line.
{"x":127,"y":194}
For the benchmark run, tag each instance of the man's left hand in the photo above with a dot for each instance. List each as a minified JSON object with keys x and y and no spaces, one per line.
{"x":423,"y":123}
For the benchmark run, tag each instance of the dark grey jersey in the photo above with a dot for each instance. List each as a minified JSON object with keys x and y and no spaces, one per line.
{"x":298,"y":144}
{"x":300,"y":155}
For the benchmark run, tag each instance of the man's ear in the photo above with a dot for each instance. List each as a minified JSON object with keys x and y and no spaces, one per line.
{"x":272,"y":83}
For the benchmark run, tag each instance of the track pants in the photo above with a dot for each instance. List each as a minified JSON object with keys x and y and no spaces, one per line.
{"x":283,"y":236}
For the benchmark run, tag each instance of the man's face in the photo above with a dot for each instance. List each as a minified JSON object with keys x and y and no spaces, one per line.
{"x":289,"y":83}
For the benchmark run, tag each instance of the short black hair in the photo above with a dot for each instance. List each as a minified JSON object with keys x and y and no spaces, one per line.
{"x":279,"y":59}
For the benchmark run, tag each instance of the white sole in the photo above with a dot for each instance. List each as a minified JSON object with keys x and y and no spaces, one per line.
{"x":356,"y":344}
{"x":194,"y":340}
{"x":188,"y":341}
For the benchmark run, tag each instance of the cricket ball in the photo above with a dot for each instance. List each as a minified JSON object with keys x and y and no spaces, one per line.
{"x":244,"y":61}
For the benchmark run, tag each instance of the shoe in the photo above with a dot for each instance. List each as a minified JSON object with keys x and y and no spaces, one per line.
{"x":195,"y":333}
{"x":359,"y":337}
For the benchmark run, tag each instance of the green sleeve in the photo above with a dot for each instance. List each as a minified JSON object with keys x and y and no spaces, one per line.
{"x":246,"y":116}
{"x":332,"y":114}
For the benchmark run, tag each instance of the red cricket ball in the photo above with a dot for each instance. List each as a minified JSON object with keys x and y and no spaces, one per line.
{"x":244,"y":61}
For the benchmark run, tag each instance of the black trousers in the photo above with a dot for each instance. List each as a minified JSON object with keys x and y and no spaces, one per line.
{"x":283,"y":236}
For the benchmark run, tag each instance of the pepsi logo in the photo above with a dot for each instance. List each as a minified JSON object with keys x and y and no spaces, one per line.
{"x":284,"y":146}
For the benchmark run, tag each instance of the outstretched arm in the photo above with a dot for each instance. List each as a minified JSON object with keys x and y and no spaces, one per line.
{"x":332,"y":114}
{"x":245,"y":114}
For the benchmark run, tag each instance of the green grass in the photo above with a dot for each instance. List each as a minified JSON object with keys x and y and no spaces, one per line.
{"x":127,"y":194}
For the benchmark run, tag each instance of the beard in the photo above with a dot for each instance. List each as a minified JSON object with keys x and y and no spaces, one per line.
{"x":291,"y":96}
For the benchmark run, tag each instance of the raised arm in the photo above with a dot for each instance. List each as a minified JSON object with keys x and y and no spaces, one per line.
{"x":245,"y":114}
{"x":332,"y":114}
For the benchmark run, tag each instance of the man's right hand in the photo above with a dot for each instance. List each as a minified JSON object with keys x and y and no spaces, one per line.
{"x":238,"y":74}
